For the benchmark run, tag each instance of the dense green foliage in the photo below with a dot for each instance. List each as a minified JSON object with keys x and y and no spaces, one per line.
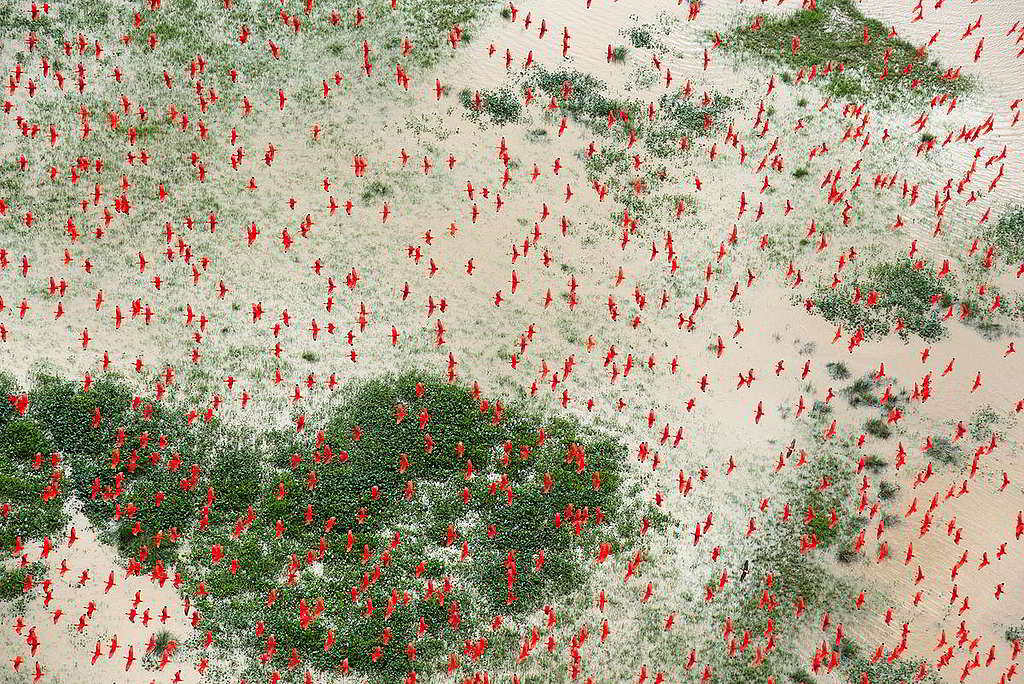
{"x":905,"y":294}
{"x":435,"y":485}
{"x":833,"y":33}
{"x":1008,"y":234}
{"x":501,"y":105}
{"x":588,"y":101}
{"x":366,"y":492}
{"x":26,"y":471}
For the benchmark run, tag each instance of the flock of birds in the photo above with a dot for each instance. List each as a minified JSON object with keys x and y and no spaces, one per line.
{"x":35,"y":285}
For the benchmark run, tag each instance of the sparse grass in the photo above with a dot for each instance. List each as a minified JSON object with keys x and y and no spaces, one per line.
{"x":819,"y":411}
{"x":837,"y":370}
{"x":801,"y":677}
{"x":885,"y":672}
{"x":801,"y":172}
{"x":860,"y":391}
{"x":887,"y":490}
{"x":290,"y":484}
{"x":982,"y":422}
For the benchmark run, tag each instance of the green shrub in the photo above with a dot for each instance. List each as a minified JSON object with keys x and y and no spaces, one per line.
{"x":241,"y":473}
{"x":837,"y":370}
{"x":640,"y":37}
{"x":943,"y":451}
{"x":905,"y":293}
{"x":1008,"y":234}
{"x":502,"y":105}
{"x":875,"y":463}
{"x":588,"y":101}
{"x":372,"y":191}
{"x":830,"y":34}
{"x":876,"y":427}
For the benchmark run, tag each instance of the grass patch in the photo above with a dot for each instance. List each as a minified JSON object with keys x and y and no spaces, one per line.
{"x":372,"y":191}
{"x":678,"y":117}
{"x":640,"y":37}
{"x":12,"y":581}
{"x":437,"y":487}
{"x":837,"y":370}
{"x":905,"y":294}
{"x":833,"y":33}
{"x":944,"y":451}
{"x":587,"y":101}
{"x":1008,"y":234}
{"x":502,"y":105}
{"x":875,"y":463}
{"x":876,"y":427}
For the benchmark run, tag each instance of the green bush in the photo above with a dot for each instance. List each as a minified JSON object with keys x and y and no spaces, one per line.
{"x":1008,"y":234}
{"x":830,"y":33}
{"x":640,"y":37}
{"x":588,"y":101}
{"x":837,"y":370}
{"x":905,"y":294}
{"x":501,"y":105}
{"x":876,"y":427}
{"x":943,"y":451}
{"x":238,"y":488}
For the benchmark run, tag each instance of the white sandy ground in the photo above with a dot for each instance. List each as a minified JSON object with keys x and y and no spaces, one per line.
{"x":481,"y":336}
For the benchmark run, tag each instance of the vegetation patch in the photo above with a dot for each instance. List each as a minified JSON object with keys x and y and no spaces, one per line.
{"x":837,"y":370}
{"x":944,"y":451}
{"x":679,"y":117}
{"x":501,"y":105}
{"x":905,"y":295}
{"x":396,"y":538}
{"x":833,"y":33}
{"x":1008,"y":234}
{"x":584,"y":97}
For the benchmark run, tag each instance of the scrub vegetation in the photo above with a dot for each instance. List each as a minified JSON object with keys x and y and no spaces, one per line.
{"x":830,"y":39}
{"x":400,"y":531}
